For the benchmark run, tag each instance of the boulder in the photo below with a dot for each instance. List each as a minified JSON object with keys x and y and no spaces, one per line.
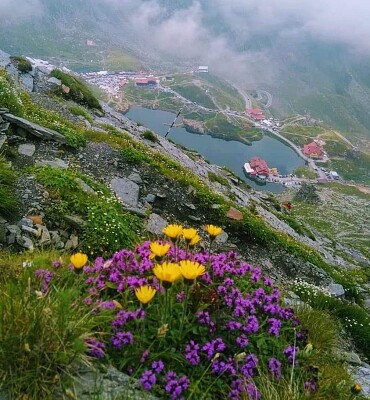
{"x":84,"y":186}
{"x":75,"y":221}
{"x":156,"y":224}
{"x":222,"y":238}
{"x":336,"y":290}
{"x":25,"y":242}
{"x":35,"y":129}
{"x":54,"y":81}
{"x":126,"y":190}
{"x":26,"y":149}
{"x":235,"y":214}
{"x":56,"y":163}
{"x":135,"y":177}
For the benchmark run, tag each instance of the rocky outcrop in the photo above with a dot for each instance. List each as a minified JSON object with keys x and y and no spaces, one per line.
{"x":194,"y":126}
{"x":34,"y":129}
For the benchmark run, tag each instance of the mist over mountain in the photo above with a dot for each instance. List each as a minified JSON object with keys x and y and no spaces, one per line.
{"x":313,"y":56}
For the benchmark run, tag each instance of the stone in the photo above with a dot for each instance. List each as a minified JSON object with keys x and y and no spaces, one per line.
{"x":352,"y":358}
{"x":65,"y":89}
{"x":25,"y":242}
{"x":75,"y":221}
{"x":191,"y":190}
{"x":10,"y":238}
{"x":26,"y":149}
{"x":54,"y":81}
{"x":56,"y":163}
{"x":26,"y":221}
{"x":235,"y":214}
{"x":89,"y":382}
{"x":150,"y":198}
{"x":216,"y":206}
{"x":15,"y":229}
{"x":84,"y":186}
{"x":45,"y":235}
{"x":161,"y":195}
{"x":33,"y":231}
{"x":194,"y":218}
{"x":3,"y":110}
{"x":367,"y":303}
{"x":126,"y":190}
{"x":71,"y":243}
{"x":2,"y":140}
{"x":222,"y":238}
{"x":156,"y":224}
{"x":336,"y":290}
{"x":35,"y":129}
{"x":191,"y":206}
{"x":361,"y":375}
{"x":135,"y":177}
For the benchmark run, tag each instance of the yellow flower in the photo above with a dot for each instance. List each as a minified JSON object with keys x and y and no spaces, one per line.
{"x":79,"y":260}
{"x":167,"y":272}
{"x":158,"y":249}
{"x":189,"y":234}
{"x":173,"y":231}
{"x":191,"y":270}
{"x":355,"y":389}
{"x":195,"y":240}
{"x":145,"y":293}
{"x":213,"y":230}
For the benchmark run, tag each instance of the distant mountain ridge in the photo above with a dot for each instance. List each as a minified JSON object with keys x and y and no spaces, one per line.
{"x":303,"y":74}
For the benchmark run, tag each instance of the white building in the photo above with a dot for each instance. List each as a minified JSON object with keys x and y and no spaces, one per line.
{"x":203,"y":68}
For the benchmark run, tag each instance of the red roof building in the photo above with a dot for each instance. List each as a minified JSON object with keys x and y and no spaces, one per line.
{"x":313,"y":150}
{"x":256,"y":113}
{"x":259,"y":166}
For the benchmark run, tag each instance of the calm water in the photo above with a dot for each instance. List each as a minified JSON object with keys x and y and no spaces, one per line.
{"x":231,"y":154}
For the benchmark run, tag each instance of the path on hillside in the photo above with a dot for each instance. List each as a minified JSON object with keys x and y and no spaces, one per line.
{"x":268,"y":95}
{"x":344,"y":139}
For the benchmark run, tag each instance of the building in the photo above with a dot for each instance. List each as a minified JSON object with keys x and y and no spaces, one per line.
{"x":259,"y":167}
{"x":203,"y":69}
{"x":256,"y":114}
{"x":313,"y":150}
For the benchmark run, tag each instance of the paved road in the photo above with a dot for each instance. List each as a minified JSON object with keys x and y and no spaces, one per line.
{"x":268,"y":95}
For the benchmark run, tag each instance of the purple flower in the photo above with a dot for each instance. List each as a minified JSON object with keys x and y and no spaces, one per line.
{"x":291,"y":353}
{"x":311,"y":385}
{"x":253,"y":392}
{"x":220,"y":366}
{"x":121,"y":339}
{"x":95,"y":348}
{"x":275,"y":368}
{"x":144,"y":357}
{"x":180,"y":297}
{"x":215,"y":346}
{"x":249,"y":366}
{"x":158,"y":366}
{"x":204,"y":317}
{"x":191,"y":353}
{"x":252,"y":325}
{"x":148,"y":379}
{"x":275,"y":325}
{"x":57,"y":264}
{"x":242,"y":341}
{"x":175,"y":386}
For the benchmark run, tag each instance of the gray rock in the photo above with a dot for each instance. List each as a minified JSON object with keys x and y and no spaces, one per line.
{"x":15,"y":229}
{"x":161,"y":195}
{"x":222,"y":238}
{"x":35,"y":129}
{"x":90,"y":383}
{"x":367,"y":303}
{"x":45,"y":235}
{"x":191,"y":206}
{"x":26,"y":221}
{"x":3,"y":110}
{"x":352,"y":358}
{"x":194,"y":218}
{"x":26,"y":149}
{"x":56,"y":240}
{"x":2,"y":140}
{"x":75,"y":221}
{"x":361,"y":375}
{"x":71,"y":243}
{"x":135,"y":177}
{"x":56,"y":163}
{"x":336,"y":290}
{"x":84,"y":186}
{"x":54,"y":81}
{"x":150,"y":198}
{"x":26,"y":81}
{"x":126,"y":190}
{"x":156,"y":224}
{"x":25,"y":242}
{"x":32,"y":231}
{"x":10,"y":238}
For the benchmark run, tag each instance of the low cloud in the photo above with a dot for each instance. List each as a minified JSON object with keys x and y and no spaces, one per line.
{"x":13,"y":11}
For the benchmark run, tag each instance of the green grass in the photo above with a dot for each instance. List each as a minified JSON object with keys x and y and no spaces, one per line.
{"x":79,"y":91}
{"x":304,"y":172}
{"x":357,"y":170}
{"x":9,"y":96}
{"x":21,"y":63}
{"x":194,"y":93}
{"x":77,"y":110}
{"x":9,"y":201}
{"x":117,"y":60}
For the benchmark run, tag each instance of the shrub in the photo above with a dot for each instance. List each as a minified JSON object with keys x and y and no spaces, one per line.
{"x":76,"y":110}
{"x":149,"y":135}
{"x":9,"y":202}
{"x":134,"y":156}
{"x":78,"y":90}
{"x":21,"y":63}
{"x":9,"y":97}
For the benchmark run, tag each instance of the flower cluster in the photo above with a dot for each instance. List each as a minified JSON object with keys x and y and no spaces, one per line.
{"x":214,"y":315}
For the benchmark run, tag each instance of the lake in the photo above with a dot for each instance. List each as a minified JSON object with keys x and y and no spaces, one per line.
{"x":231,"y":154}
